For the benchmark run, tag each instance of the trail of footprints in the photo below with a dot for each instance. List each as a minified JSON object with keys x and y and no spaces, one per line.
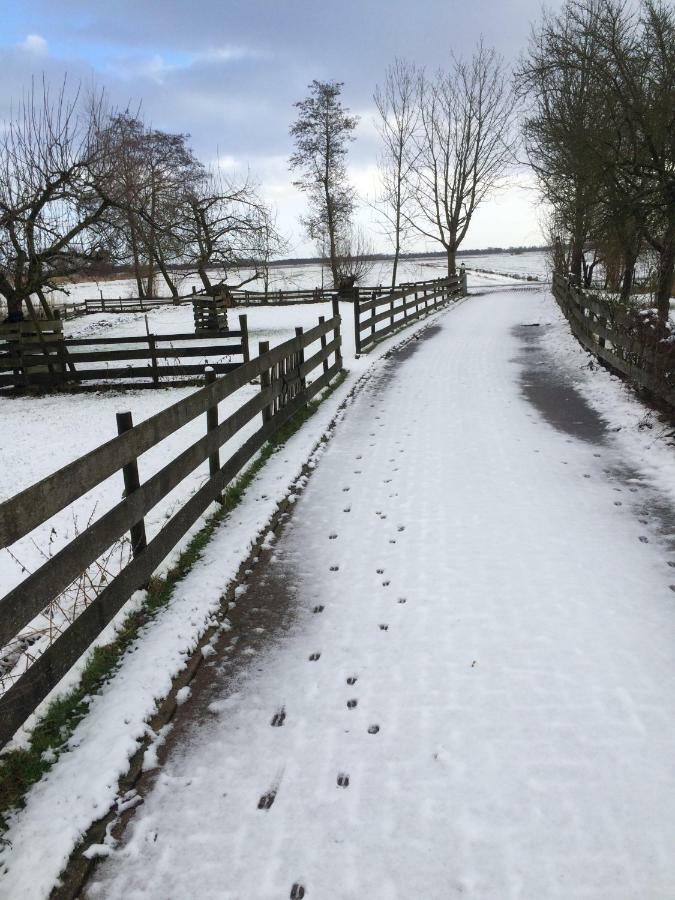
{"x":266,"y":801}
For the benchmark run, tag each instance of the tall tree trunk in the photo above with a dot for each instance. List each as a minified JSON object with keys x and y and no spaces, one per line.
{"x":138,"y":275}
{"x":666,"y":272}
{"x":452,"y":259}
{"x":165,"y":275}
{"x":14,"y":307}
{"x":630,"y":258}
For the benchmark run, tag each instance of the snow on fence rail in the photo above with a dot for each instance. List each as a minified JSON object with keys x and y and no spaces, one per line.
{"x":384,"y":311}
{"x":624,"y":339}
{"x":27,"y":362}
{"x":284,"y":390}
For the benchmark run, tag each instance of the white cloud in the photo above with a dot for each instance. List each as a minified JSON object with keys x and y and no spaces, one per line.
{"x":228,"y":53}
{"x":34,"y":43}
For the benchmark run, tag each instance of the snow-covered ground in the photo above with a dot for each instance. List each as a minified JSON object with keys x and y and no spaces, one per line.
{"x":477,"y":675}
{"x":312,"y":275}
{"x":54,"y":429}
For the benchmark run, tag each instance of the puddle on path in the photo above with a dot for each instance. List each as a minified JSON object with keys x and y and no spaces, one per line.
{"x":555,"y":397}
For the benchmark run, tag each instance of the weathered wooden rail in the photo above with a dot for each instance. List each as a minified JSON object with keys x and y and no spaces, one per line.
{"x":146,"y":360}
{"x":124,"y":304}
{"x":379,"y":312}
{"x":621,"y":338}
{"x":285,"y":387}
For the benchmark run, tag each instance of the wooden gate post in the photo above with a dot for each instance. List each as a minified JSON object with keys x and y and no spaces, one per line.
{"x":212,"y":425}
{"x":337,"y":331}
{"x":132,"y":483}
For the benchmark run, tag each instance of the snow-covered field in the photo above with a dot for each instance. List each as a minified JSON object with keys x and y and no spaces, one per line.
{"x":511,"y":735}
{"x":312,"y":275}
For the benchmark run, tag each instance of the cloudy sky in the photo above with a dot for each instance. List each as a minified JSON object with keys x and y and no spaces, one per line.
{"x":228,"y":72}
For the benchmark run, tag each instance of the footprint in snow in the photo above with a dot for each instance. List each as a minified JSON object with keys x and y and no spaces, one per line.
{"x":331,"y":537}
{"x":402,"y":600}
{"x":278,"y":718}
{"x":314,"y":656}
{"x":343,"y":780}
{"x":267,"y":800}
{"x":297,"y":892}
{"x":380,"y":571}
{"x":318,"y":609}
{"x":373,"y":729}
{"x":352,"y":679}
{"x":334,"y":568}
{"x":351,"y":704}
{"x":384,"y":628}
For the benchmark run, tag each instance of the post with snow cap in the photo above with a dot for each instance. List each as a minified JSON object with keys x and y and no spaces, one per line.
{"x":212,"y":423}
{"x":132,"y":483}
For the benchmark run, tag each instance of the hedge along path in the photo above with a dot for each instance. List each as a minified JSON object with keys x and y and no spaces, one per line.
{"x":285,"y":390}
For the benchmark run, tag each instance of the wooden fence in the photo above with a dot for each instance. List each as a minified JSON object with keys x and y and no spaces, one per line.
{"x":284,"y":389}
{"x":379,"y":312}
{"x":147,"y":360}
{"x":124,"y":304}
{"x":621,"y":338}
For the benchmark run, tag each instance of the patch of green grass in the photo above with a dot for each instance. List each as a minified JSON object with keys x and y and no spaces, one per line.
{"x":19,"y":769}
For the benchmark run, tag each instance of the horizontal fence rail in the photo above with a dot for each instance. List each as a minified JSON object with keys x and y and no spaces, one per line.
{"x":31,"y":361}
{"x":378,"y":313}
{"x":285,"y":387}
{"x":124,"y":304}
{"x":620,"y":338}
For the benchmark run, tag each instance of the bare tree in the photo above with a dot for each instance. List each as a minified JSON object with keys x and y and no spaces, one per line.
{"x":156,"y":171}
{"x":601,"y":77}
{"x":55,"y":186}
{"x":397,"y":104}
{"x":322,"y":133}
{"x":354,"y":262}
{"x":226,"y":227}
{"x":563,"y":106}
{"x":465,"y":146}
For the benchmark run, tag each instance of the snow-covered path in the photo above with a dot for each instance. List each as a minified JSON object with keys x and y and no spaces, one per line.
{"x":469,"y":689}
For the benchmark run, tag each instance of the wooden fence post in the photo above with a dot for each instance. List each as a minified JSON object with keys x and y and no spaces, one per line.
{"x":212,"y":425}
{"x":357,"y":324}
{"x":243,"y":327}
{"x":323,"y":341}
{"x":300,"y":358}
{"x":153,"y":356}
{"x":337,"y":331}
{"x":373,"y":313}
{"x":265,"y":380}
{"x":132,"y":483}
